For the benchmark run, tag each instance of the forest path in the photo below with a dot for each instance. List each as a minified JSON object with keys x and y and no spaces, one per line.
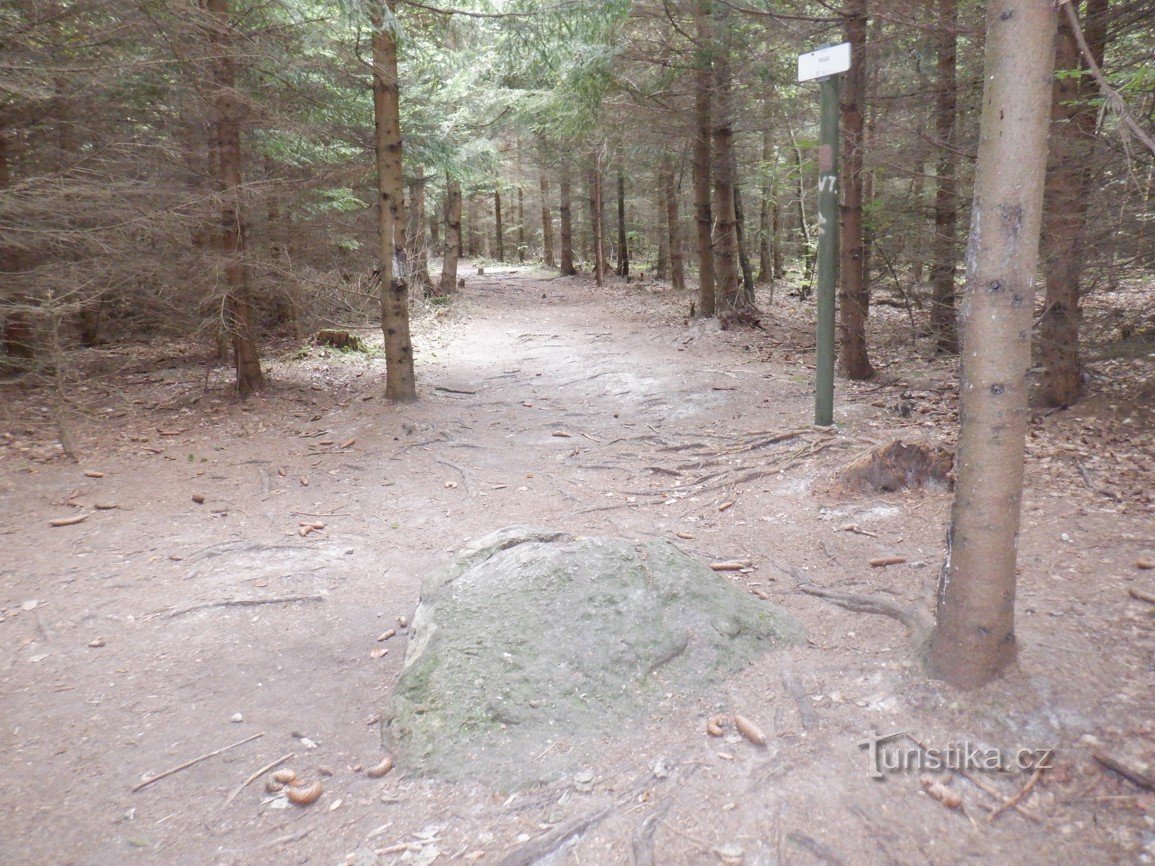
{"x":594,"y":411}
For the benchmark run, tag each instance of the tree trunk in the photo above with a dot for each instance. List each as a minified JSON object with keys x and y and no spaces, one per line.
{"x":597,"y":221}
{"x":546,"y":223}
{"x":473,"y":216}
{"x":974,"y":636}
{"x":416,"y":247}
{"x":943,"y":327}
{"x":499,"y":231}
{"x":725,"y":212}
{"x":765,"y":259}
{"x":703,"y":211}
{"x":746,"y":298}
{"x":807,"y":251}
{"x":662,"y":265}
{"x":238,"y":304}
{"x":623,"y":268}
{"x":565,"y":219}
{"x":1068,"y":188}
{"x":853,"y":299}
{"x":400,"y":381}
{"x":520,"y":224}
{"x":673,"y":228}
{"x":18,"y":335}
{"x":452,"y":235}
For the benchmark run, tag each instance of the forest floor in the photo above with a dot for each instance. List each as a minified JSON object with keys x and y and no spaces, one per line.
{"x":132,"y":642}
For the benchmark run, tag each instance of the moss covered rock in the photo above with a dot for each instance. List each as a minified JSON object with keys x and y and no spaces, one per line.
{"x":531,"y":647}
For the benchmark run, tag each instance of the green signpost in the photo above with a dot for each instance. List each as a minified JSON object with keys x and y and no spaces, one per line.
{"x":825,"y":65}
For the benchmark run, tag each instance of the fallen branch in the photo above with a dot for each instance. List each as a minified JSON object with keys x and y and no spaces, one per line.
{"x":984,"y":787}
{"x":244,"y":602}
{"x":187,"y":764}
{"x":1011,"y":802}
{"x":236,"y":791}
{"x":1135,"y":777}
{"x":445,"y":390}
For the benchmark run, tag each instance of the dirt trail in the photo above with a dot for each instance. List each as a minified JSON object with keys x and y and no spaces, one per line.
{"x":550,"y":402}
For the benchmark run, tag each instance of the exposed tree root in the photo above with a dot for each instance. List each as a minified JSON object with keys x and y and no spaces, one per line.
{"x":917,"y":620}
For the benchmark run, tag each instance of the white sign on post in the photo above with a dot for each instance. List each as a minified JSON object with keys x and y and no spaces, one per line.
{"x":824,"y":62}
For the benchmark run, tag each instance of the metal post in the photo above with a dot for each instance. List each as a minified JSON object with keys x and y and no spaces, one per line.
{"x":827,"y":251}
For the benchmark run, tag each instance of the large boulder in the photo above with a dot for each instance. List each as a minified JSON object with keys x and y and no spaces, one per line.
{"x":531,"y":647}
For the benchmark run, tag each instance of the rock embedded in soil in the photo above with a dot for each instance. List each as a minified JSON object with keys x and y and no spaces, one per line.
{"x":533,"y":649}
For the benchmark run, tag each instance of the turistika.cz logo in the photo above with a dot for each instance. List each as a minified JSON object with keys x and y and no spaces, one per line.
{"x":887,"y":755}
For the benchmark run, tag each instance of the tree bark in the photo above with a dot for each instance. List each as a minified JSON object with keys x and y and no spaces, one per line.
{"x":765,"y":259}
{"x":565,"y":220}
{"x":703,"y":210}
{"x":943,"y":326}
{"x":499,"y":230}
{"x":623,"y":268}
{"x":597,"y":222}
{"x":546,"y":223}
{"x":520,"y":224}
{"x":452,"y":235}
{"x":662,"y":265}
{"x":473,"y":217}
{"x":725,"y":213}
{"x":1068,"y":188}
{"x":974,"y":635}
{"x":673,"y":228}
{"x":238,"y":306}
{"x":746,"y":298}
{"x":416,"y":247}
{"x":853,"y":297}
{"x":400,"y":381}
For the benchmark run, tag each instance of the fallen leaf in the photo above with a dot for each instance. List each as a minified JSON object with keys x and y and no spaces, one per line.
{"x":380,"y":652}
{"x":92,"y":473}
{"x":348,"y":443}
{"x":385,"y":635}
{"x":725,"y":505}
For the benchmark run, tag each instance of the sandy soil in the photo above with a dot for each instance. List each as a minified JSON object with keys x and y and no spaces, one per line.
{"x":133,"y":641}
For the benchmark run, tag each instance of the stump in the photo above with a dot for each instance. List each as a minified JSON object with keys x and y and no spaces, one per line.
{"x":897,"y":466}
{"x":335,"y":339}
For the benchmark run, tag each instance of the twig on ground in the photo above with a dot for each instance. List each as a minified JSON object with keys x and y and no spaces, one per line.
{"x":145,"y":783}
{"x":1011,"y":802}
{"x":445,"y":390}
{"x":1135,"y":777}
{"x":236,"y":791}
{"x":1140,"y":595}
{"x":984,"y":787}
{"x":243,"y":602}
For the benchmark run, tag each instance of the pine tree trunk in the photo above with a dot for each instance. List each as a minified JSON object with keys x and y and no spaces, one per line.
{"x":853,"y":299}
{"x":766,"y":272}
{"x":416,"y":247}
{"x":565,"y":219}
{"x":18,"y":335}
{"x":452,"y":236}
{"x":400,"y":382}
{"x":725,"y":213}
{"x":238,"y":305}
{"x":807,"y":250}
{"x":974,"y":636}
{"x":662,"y":265}
{"x":943,"y":326}
{"x":473,"y":217}
{"x":623,"y":268}
{"x":674,"y":229}
{"x":499,"y":230}
{"x":546,"y":223}
{"x":703,"y":159}
{"x":597,"y":218}
{"x":520,"y":224}
{"x":1068,"y":188}
{"x":746,"y":297}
